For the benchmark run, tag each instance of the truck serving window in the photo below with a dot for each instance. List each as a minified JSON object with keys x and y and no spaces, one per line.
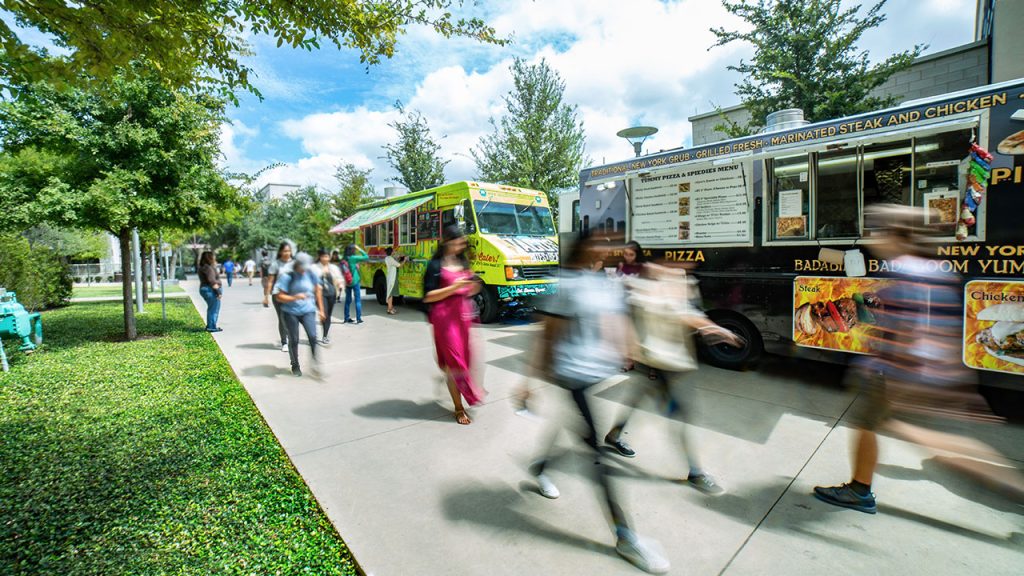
{"x":521,"y":219}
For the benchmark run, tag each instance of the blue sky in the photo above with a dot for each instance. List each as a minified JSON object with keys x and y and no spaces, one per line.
{"x":624,"y":63}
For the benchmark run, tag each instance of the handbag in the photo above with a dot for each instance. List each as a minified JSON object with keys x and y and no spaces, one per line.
{"x":658,"y":311}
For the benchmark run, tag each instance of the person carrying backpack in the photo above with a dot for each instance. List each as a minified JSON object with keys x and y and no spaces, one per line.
{"x":330,"y":285}
{"x":298,"y":291}
{"x":353,"y":288}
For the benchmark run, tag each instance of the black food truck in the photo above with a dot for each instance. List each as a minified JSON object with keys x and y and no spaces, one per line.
{"x":773,"y":224}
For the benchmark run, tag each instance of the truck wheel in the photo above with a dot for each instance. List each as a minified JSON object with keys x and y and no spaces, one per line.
{"x":380,"y":289}
{"x":725,"y":356}
{"x":488,"y":304}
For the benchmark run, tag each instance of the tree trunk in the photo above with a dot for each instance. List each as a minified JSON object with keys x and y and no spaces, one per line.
{"x":125,"y":238}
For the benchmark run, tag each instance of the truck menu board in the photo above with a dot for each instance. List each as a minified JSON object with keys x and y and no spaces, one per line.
{"x":696,"y":204}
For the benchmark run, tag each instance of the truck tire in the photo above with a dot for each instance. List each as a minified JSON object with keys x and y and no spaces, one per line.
{"x":380,"y":289}
{"x":488,"y":304}
{"x":724,"y":356}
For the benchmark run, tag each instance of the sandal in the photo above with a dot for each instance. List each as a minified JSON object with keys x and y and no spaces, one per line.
{"x":462,"y":418}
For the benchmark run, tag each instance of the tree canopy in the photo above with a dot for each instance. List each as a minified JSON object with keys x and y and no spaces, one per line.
{"x":201,"y":43}
{"x":539,"y":142}
{"x":806,"y":56}
{"x":415,"y":155}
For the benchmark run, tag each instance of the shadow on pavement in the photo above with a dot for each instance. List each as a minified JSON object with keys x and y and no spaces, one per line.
{"x":400,"y":409}
{"x":933,"y":470}
{"x":266,"y":370}
{"x":259,"y":346}
{"x":495,"y":507}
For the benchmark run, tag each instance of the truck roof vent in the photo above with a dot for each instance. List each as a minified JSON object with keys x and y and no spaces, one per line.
{"x":785,"y":119}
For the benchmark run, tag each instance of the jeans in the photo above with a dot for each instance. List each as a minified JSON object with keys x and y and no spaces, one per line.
{"x":231,"y":276}
{"x":308,"y":321}
{"x":212,"y":306}
{"x":354,"y":293}
{"x":282,"y":328}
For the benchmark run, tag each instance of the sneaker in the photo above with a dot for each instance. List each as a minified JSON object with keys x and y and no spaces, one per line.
{"x":296,"y":371}
{"x":706,"y":484}
{"x":643,"y":553}
{"x":284,"y":347}
{"x":843,"y":495}
{"x":325,"y":340}
{"x":360,"y":321}
{"x":620,"y":446}
{"x":547,"y":487}
{"x":349,"y":321}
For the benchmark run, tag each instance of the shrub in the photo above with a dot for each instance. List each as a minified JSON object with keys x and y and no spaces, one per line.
{"x":38,"y":275}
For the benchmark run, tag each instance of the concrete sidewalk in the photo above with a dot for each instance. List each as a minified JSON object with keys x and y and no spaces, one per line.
{"x":414,"y":493}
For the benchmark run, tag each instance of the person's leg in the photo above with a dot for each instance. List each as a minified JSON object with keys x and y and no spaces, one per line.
{"x":865,"y":457}
{"x":619,"y":520}
{"x":214,"y":311}
{"x":391,"y":304}
{"x":328,"y":311}
{"x":208,"y":297}
{"x":358,"y":294}
{"x":292,"y":324}
{"x":348,"y":303}
{"x":230,"y":278}
{"x":282,"y":328}
{"x":308,"y":322}
{"x":614,"y":436}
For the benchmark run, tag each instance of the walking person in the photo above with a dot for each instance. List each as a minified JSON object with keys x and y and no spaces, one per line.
{"x":353,"y":287}
{"x":631,"y":266}
{"x":281,"y":265}
{"x":664,"y":314}
{"x":916,"y":385}
{"x":393,"y":263}
{"x":448,"y":286}
{"x":265,"y":276}
{"x":210,"y":289}
{"x":582,"y":345}
{"x":299,"y":292}
{"x":229,"y":270}
{"x":330,"y":286}
{"x":249,"y":269}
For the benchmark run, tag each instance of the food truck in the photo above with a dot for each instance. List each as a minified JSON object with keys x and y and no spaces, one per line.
{"x":773,"y":224}
{"x":513,"y":245}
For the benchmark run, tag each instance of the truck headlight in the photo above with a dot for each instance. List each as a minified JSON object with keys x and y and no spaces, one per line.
{"x":513,"y":273}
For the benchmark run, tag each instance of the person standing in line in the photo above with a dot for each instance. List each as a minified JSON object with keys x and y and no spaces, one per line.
{"x":631,"y":266}
{"x":336,"y":260}
{"x":298,"y":290}
{"x":353,"y":287}
{"x":393,"y":263}
{"x":249,"y":269}
{"x":330,"y":285}
{"x":229,"y":270}
{"x":265,"y":276}
{"x":662,"y":305}
{"x":582,"y":344}
{"x":278,"y":267}
{"x":210,"y":289}
{"x":448,"y":286}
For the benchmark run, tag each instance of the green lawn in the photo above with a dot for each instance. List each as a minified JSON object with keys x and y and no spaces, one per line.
{"x":107,"y":290}
{"x":146,"y":458}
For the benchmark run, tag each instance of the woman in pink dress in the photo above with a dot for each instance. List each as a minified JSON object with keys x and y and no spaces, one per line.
{"x":448,"y":286}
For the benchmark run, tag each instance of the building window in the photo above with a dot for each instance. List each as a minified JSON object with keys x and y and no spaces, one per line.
{"x":370,"y":236}
{"x":386,"y":233}
{"x":887,"y":173}
{"x":407,"y":228}
{"x":837,"y":206}
{"x":791,"y":194}
{"x":940,"y":168}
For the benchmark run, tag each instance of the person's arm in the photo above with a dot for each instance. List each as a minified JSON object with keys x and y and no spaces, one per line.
{"x":269,"y":286}
{"x":319,"y":291}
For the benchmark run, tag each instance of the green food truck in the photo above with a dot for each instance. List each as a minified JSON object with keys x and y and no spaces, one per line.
{"x":513,"y":243}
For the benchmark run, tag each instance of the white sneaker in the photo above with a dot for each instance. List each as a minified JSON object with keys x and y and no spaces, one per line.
{"x":547,"y":487}
{"x":643,"y":553}
{"x":284,"y":347}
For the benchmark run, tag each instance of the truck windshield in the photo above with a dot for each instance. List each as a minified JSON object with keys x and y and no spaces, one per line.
{"x":521,"y":219}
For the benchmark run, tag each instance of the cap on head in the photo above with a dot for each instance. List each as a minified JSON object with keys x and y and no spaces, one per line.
{"x":303,"y":259}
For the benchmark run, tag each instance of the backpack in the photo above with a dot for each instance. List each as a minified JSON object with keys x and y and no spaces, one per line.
{"x":346,"y":272}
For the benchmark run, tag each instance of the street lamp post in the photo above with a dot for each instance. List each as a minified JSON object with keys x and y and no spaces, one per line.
{"x":636,"y":136}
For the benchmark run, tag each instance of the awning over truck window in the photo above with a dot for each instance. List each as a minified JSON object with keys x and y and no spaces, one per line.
{"x":379,"y":214}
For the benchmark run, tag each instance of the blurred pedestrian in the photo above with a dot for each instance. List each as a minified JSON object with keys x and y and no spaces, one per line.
{"x":265,"y":276}
{"x":664,"y":313}
{"x":330,"y":285}
{"x":632,"y":265}
{"x":393,"y":262}
{"x":354,"y":255}
{"x":229,"y":270}
{"x":583,"y":343}
{"x":210,"y":289}
{"x":249,"y":269}
{"x":298,"y":290}
{"x":915,"y":383}
{"x":448,"y":286}
{"x":281,"y":265}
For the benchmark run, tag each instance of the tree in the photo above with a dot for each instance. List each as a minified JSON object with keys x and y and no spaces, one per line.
{"x":539,"y":141}
{"x":132,"y":155}
{"x":415,"y":155}
{"x":806,"y":56}
{"x":195,"y":44}
{"x":354,"y":190}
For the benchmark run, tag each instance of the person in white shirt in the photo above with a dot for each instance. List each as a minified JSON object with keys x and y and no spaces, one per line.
{"x":393,"y":262}
{"x":331,"y":283}
{"x":249,"y":268}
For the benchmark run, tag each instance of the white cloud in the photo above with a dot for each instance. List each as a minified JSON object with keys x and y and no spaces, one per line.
{"x":624,"y":63}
